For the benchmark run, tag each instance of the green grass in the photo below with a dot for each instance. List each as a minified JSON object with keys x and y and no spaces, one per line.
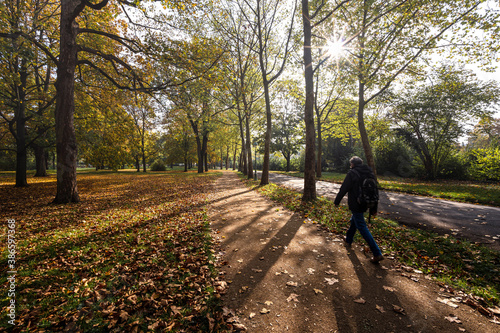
{"x":462,"y":191}
{"x":475,"y":269}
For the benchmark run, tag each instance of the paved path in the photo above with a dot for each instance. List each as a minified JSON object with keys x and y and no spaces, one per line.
{"x":476,"y":223}
{"x":281,"y":274}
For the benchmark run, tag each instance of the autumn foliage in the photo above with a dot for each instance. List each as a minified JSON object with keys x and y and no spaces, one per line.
{"x":134,"y":255}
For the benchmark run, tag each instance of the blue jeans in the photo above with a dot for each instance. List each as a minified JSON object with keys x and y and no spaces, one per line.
{"x":358,"y":222}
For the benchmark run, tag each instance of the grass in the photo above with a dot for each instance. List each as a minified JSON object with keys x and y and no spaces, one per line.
{"x":135,"y":254}
{"x":472,"y":268}
{"x":462,"y":191}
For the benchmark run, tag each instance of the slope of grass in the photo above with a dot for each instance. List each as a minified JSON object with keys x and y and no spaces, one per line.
{"x":134,"y":255}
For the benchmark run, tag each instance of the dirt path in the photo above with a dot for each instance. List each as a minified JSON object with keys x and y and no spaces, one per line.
{"x":285,"y":275}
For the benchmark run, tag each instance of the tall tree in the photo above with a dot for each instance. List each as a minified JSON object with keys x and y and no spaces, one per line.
{"x":434,"y":116}
{"x":322,"y":12}
{"x":26,"y":77}
{"x":389,"y":37}
{"x":273,"y":49}
{"x":287,"y":135}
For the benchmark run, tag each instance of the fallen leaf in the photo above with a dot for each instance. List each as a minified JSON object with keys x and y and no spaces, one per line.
{"x":292,"y":297}
{"x":495,"y":310}
{"x":380,"y":308}
{"x":360,"y":300}
{"x":317,"y":291}
{"x":330,"y":272}
{"x":331,"y":281}
{"x":239,"y":326}
{"x":264,"y":311}
{"x":398,"y":309}
{"x":389,"y":288}
{"x":310,"y":271}
{"x":447,"y":302}
{"x":252,"y":314}
{"x":453,"y":319}
{"x":292,"y":284}
{"x":268,"y":303}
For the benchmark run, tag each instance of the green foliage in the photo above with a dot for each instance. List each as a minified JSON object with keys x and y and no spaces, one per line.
{"x":277,"y":163}
{"x":158,"y":165}
{"x":297,"y":162}
{"x":484,"y":164}
{"x":454,"y":167}
{"x":392,"y":156}
{"x":432,"y":117}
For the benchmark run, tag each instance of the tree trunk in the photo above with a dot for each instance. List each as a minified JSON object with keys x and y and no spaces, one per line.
{"x":227,"y":157}
{"x":204,"y":151}
{"x":362,"y":129}
{"x":309,"y":172}
{"x":243,"y":156}
{"x":143,"y":161}
{"x":65,"y":104}
{"x":249,"y":147}
{"x":234,"y":156}
{"x":41,"y":162}
{"x":287,"y":157}
{"x":199,"y":150}
{"x":320,"y":149}
{"x":21,"y":152}
{"x":264,"y":180}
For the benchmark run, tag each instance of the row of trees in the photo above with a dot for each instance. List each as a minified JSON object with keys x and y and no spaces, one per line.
{"x":132,"y":80}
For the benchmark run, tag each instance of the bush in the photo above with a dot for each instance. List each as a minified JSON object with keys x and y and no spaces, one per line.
{"x":454,"y":167}
{"x":484,"y":164}
{"x":158,"y":165}
{"x":277,"y":163}
{"x":297,"y":163}
{"x":393,"y":157}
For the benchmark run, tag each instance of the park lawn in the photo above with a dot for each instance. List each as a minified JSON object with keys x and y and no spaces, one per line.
{"x":462,"y":191}
{"x":456,"y":264}
{"x":134,"y":255}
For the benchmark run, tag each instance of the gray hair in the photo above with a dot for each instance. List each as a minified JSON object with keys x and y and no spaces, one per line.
{"x":355,"y":160}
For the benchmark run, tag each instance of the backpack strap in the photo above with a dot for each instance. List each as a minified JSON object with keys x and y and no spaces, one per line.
{"x":356,"y":173}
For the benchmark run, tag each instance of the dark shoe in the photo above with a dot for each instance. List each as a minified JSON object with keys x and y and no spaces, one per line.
{"x":346,"y":244}
{"x":377,"y":259}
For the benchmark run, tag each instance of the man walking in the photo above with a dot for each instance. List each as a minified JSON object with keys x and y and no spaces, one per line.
{"x":351,"y":186}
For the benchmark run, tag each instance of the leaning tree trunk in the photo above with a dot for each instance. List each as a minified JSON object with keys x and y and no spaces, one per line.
{"x":65,"y":105}
{"x":362,"y":129}
{"x":309,"y":172}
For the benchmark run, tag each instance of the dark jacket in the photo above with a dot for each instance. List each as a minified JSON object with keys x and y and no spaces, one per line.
{"x":351,"y":185}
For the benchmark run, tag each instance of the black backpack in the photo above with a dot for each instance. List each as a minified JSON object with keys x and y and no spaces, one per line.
{"x":368,"y":191}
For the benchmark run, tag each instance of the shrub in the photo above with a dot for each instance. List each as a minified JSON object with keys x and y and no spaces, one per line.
{"x":454,"y":167}
{"x":158,"y":165}
{"x":277,"y":163}
{"x":484,"y":164}
{"x":393,"y":157}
